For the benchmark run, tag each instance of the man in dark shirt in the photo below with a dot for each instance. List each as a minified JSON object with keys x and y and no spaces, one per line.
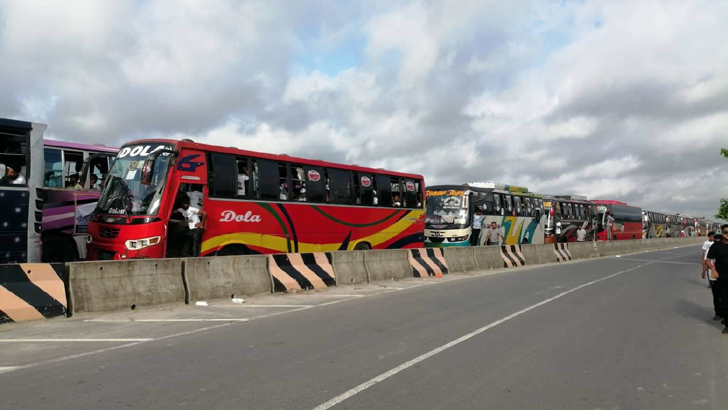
{"x":719,"y":253}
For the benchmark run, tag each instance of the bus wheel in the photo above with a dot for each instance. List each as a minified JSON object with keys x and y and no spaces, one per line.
{"x":232,"y":250}
{"x":362,"y":246}
{"x":58,"y":249}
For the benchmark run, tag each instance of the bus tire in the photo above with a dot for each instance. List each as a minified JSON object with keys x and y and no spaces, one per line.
{"x":233,"y":250}
{"x":58,"y":248}
{"x":362,"y":246}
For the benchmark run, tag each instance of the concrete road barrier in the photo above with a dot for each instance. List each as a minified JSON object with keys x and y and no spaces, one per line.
{"x":488,"y":257}
{"x":387,"y":264}
{"x":427,"y":262}
{"x":224,"y":276}
{"x":31,"y":291}
{"x":295,"y":271}
{"x":546,"y":253}
{"x":581,"y":250}
{"x":349,"y":267}
{"x":530,"y":254}
{"x":101,"y":286}
{"x":461,"y":259}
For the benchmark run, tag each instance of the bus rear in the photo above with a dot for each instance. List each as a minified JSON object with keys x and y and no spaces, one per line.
{"x":248,"y":203}
{"x":618,"y":221}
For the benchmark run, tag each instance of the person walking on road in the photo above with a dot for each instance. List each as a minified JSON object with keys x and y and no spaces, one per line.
{"x":718,"y":252}
{"x":494,"y":235}
{"x":706,"y":246}
{"x":477,"y":226}
{"x":581,"y":234}
{"x":711,"y":282}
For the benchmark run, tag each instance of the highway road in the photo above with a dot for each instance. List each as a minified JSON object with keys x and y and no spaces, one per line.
{"x":617,"y":333}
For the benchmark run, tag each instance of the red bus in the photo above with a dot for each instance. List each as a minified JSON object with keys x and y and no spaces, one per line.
{"x":625,"y":221}
{"x":255,"y":203}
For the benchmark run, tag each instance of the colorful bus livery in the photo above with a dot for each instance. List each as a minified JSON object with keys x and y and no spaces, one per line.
{"x":565,"y":214}
{"x":254,"y":202}
{"x":451,"y":209}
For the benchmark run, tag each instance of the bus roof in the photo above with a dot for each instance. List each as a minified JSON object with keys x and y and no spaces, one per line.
{"x":568,"y":197}
{"x":496,"y":185}
{"x":273,"y":157}
{"x":76,"y":145}
{"x":612,"y":202}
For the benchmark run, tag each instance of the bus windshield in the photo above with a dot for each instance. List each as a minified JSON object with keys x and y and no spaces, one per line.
{"x":448,"y":208}
{"x":124,"y":194}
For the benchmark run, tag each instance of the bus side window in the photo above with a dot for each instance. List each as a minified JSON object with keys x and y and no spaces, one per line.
{"x":243,"y":177}
{"x":269,"y":177}
{"x":529,"y":209}
{"x":298,"y":183}
{"x":72,"y":164}
{"x":397,"y":191}
{"x":365,"y":187}
{"x":53,"y":175}
{"x":410,"y":194}
{"x":315,"y":184}
{"x":519,"y":209}
{"x":497,"y":204}
{"x":384,"y":190}
{"x":340,"y":186}
{"x":509,"y":205}
{"x":223,"y":182}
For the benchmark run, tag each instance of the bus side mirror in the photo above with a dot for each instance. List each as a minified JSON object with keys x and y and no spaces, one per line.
{"x":147,"y":172}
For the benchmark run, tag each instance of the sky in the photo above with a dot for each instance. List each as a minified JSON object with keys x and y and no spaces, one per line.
{"x":624,"y":100}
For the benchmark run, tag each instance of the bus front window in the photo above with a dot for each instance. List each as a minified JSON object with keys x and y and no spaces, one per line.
{"x":124,"y":193}
{"x":447,"y":210}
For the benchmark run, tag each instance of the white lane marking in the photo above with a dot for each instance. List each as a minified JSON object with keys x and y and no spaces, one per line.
{"x":661,"y":261}
{"x":339,"y":296}
{"x":404,"y":366}
{"x":108,"y":349}
{"x":70,"y":340}
{"x":7,"y":368}
{"x":166,"y":320}
{"x":273,"y":306}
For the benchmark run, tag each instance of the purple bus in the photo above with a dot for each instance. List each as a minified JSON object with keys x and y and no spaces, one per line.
{"x":49,"y":205}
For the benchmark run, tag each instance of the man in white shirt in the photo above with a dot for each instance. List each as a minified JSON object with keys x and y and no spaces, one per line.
{"x":196,"y":221}
{"x":477,"y":226}
{"x":706,"y":246}
{"x":13,"y":175}
{"x":242,"y":178}
{"x":494,"y":235}
{"x":581,"y":234}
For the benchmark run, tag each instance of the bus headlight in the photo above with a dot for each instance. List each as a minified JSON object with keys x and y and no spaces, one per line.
{"x":458,"y":239}
{"x":136,"y":244}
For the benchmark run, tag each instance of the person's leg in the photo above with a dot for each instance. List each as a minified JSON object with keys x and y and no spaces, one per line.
{"x":723,"y":302}
{"x":474,"y":237}
{"x":197,"y":241}
{"x":716,"y":298}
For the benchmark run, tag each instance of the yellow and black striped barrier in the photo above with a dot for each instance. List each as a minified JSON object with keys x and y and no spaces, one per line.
{"x":31,"y":291}
{"x":296,"y":271}
{"x":428,"y":262}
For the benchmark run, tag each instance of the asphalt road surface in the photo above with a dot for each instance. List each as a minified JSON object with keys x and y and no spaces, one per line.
{"x":617,"y":333}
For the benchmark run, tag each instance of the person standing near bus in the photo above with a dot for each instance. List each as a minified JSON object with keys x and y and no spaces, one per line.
{"x":581,"y":234}
{"x":477,"y":226}
{"x":494,"y":235}
{"x":610,"y":224}
{"x":718,"y":252}
{"x":196,"y":221}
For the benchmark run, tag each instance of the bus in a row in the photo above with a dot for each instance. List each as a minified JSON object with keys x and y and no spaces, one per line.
{"x":566,"y":214}
{"x":452,"y":208}
{"x":48,"y":191}
{"x":166,"y":198}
